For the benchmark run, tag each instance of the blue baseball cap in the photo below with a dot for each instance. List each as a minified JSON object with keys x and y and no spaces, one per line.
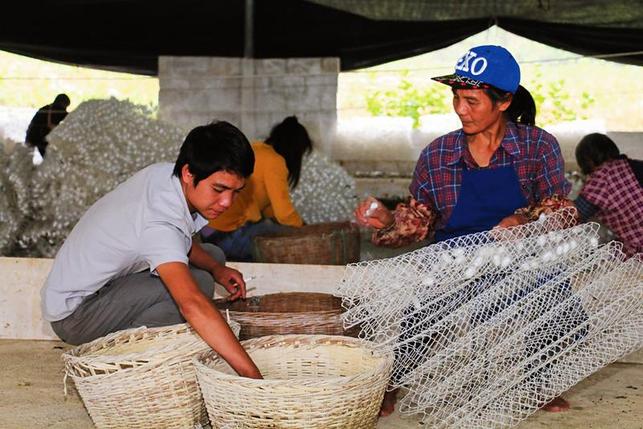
{"x":483,"y":67}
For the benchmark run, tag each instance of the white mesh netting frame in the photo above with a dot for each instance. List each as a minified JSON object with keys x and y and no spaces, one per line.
{"x":518,"y":399}
{"x":506,"y":301}
{"x":462,"y":384}
{"x":510,"y":398}
{"x":376,"y":293}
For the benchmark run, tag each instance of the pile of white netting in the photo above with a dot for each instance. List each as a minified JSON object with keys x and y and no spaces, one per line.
{"x":98,"y":145}
{"x":489,"y":327}
{"x":326,"y":192}
{"x":16,"y":170}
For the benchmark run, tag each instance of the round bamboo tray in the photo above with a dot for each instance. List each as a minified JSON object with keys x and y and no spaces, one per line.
{"x":331,"y":243}
{"x":140,"y":378}
{"x":287,"y":313}
{"x":310,"y":381}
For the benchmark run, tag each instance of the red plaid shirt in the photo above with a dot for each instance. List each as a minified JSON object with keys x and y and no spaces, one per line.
{"x":615,"y":191}
{"x":534,"y":153}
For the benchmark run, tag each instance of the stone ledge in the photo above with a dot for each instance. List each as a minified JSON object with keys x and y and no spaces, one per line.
{"x":21,"y":317}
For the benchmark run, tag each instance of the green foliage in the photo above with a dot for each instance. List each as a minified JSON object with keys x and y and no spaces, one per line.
{"x":406,"y":100}
{"x":554,"y":103}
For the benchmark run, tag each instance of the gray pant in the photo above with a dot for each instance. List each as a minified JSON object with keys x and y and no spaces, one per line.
{"x":139,"y":299}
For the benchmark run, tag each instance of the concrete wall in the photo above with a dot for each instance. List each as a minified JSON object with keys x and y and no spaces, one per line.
{"x":390,"y":146}
{"x":21,"y":318}
{"x":252,"y":94}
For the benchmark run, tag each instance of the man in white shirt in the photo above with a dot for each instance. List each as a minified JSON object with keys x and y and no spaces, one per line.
{"x":130,"y":260}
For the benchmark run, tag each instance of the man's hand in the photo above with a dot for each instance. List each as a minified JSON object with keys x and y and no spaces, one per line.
{"x":513,"y":220}
{"x":373,"y":213}
{"x":200,"y":312}
{"x":231,"y":280}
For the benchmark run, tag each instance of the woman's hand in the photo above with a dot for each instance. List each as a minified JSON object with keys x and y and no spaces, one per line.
{"x":373,"y":213}
{"x":513,"y":220}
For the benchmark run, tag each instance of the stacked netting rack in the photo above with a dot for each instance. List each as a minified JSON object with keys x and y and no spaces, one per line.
{"x":489,"y":327}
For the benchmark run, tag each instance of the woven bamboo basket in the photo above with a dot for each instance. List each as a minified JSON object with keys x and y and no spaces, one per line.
{"x":331,"y":243}
{"x":140,"y":378}
{"x":310,"y":381}
{"x":287,"y":313}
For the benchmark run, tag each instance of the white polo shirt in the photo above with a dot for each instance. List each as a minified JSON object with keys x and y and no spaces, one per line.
{"x":140,"y":225}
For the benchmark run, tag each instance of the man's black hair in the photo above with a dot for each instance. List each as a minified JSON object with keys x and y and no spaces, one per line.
{"x":219,"y":146}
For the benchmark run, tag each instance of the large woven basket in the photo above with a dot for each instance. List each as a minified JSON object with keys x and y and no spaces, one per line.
{"x":331,"y":243}
{"x":140,"y":378}
{"x":287,"y":313}
{"x":310,"y":381}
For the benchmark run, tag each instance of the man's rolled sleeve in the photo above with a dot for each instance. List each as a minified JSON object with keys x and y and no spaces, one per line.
{"x":164,"y":243}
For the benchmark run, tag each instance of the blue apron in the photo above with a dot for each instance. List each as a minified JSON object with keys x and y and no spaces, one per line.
{"x":486,"y":197}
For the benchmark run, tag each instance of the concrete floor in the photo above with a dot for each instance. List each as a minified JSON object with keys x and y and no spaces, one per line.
{"x":32,"y":382}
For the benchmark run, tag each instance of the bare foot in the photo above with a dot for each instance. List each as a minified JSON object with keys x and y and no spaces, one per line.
{"x":556,"y":405}
{"x":388,"y":403}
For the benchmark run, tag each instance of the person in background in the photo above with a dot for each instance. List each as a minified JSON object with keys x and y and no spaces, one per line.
{"x":612,"y":191}
{"x":264,"y":205}
{"x":481,"y":175}
{"x":45,"y":120}
{"x":130,"y":261}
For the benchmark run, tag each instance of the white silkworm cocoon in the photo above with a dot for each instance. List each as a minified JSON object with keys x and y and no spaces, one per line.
{"x":371,"y":208}
{"x":566,"y":247}
{"x":478,"y":261}
{"x":542,"y":217}
{"x":573,"y":244}
{"x":497,"y":260}
{"x":446,"y":257}
{"x":555,"y":238}
{"x":470,"y":272}
{"x":485,"y":251}
{"x":559,"y":250}
{"x":548,"y":256}
{"x":428,"y":281}
{"x":458,"y":255}
{"x":593,"y":241}
{"x":416,"y":303}
{"x":541,"y":240}
{"x":506,"y":261}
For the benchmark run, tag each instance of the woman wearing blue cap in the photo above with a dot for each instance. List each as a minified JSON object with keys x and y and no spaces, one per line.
{"x":483,"y":175}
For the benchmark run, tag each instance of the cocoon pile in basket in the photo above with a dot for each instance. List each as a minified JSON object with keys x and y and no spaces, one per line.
{"x":288,"y":313}
{"x":141,"y":377}
{"x":310,"y":381}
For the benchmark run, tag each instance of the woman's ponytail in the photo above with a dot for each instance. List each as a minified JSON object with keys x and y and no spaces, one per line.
{"x":523,"y":108}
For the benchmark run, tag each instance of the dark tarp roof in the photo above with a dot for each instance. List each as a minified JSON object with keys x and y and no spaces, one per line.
{"x":129,"y":35}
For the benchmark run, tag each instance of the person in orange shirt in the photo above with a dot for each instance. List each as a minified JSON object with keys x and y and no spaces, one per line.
{"x":264,"y":204}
